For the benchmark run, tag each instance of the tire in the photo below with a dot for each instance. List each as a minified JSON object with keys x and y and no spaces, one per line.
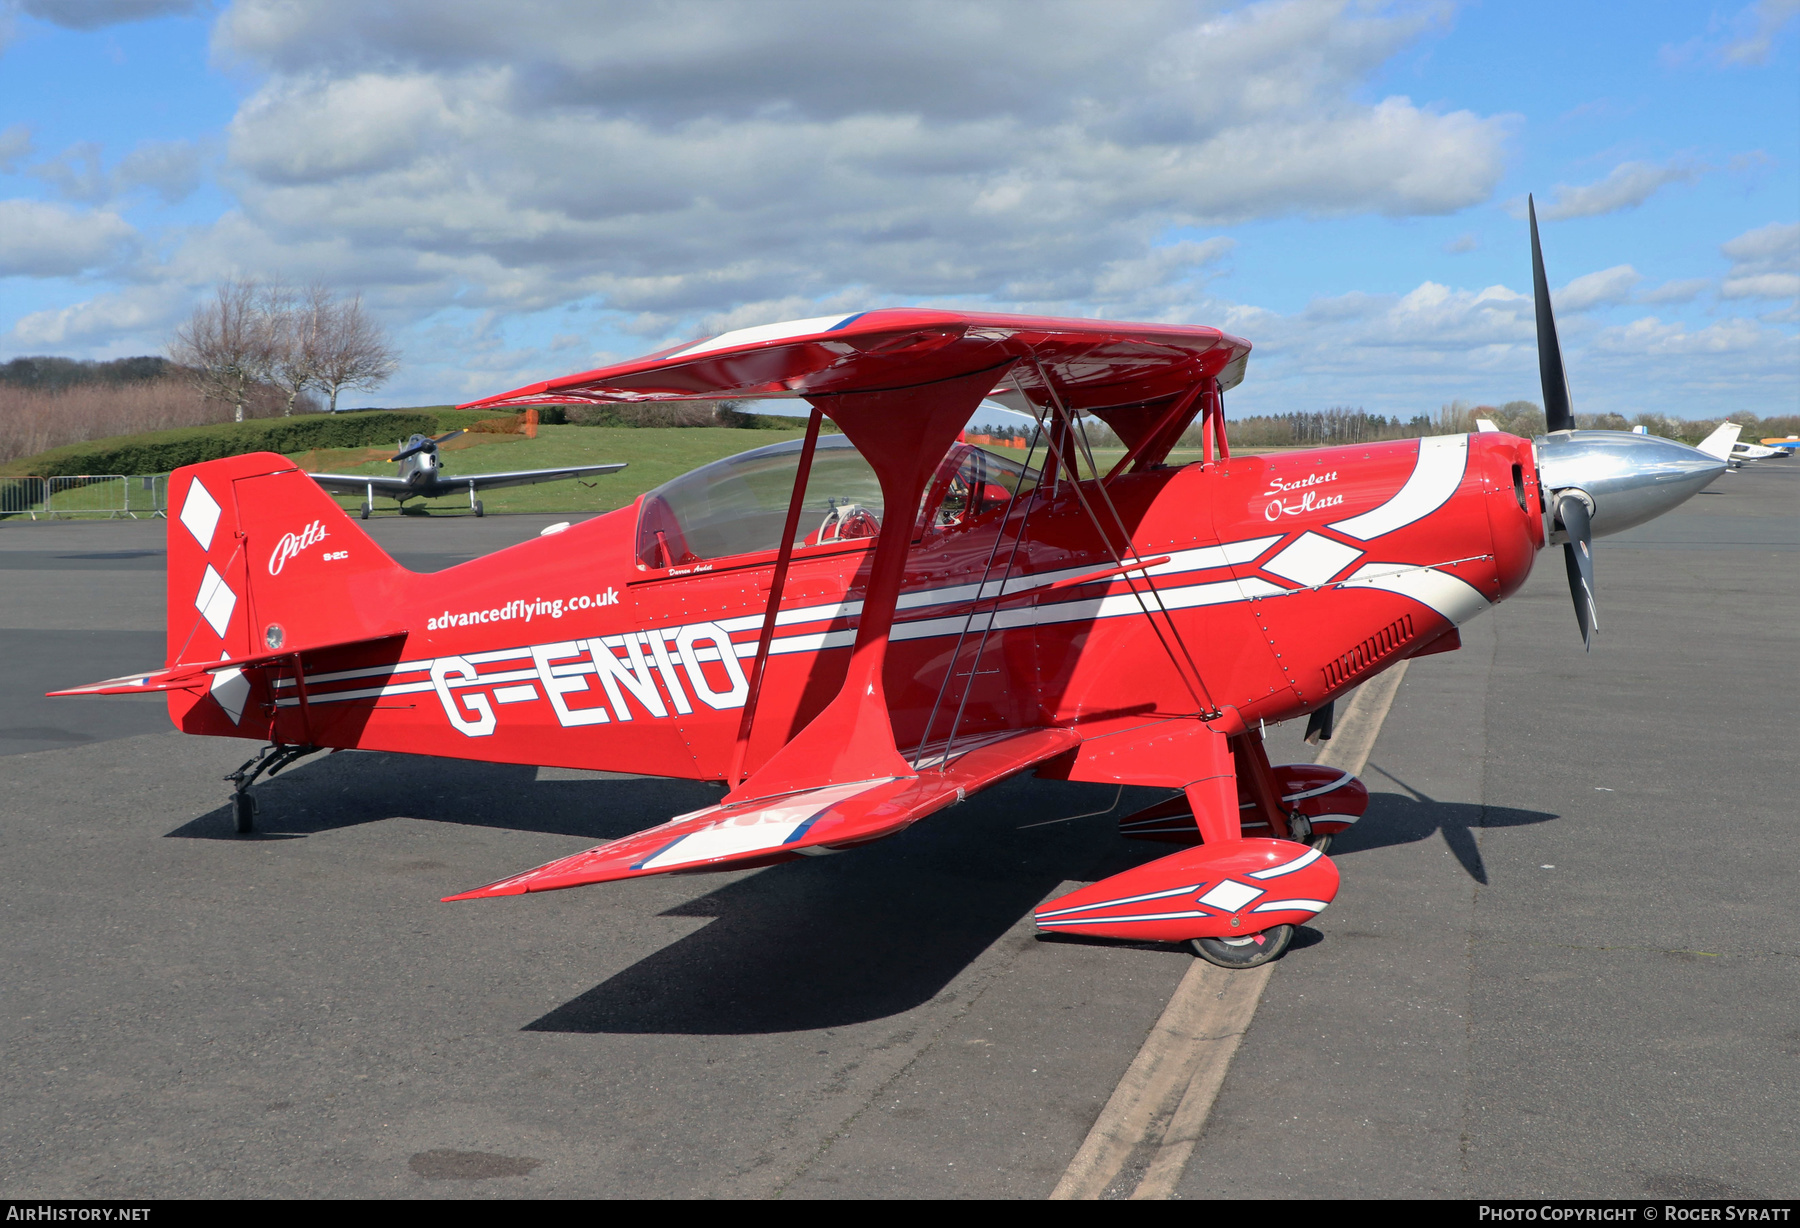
{"x":1322,"y":843}
{"x":1244,"y":952}
{"x":479,"y":510}
{"x":243,"y":807}
{"x":366,"y":509}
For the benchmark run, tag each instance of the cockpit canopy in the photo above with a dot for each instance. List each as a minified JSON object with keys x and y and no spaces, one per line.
{"x":738,"y":505}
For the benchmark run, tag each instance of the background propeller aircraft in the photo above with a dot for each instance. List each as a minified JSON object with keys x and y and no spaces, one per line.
{"x":851,"y":632}
{"x":422,"y":476}
{"x":1725,"y":444}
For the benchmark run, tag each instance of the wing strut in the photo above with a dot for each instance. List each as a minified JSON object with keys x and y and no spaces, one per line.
{"x":1155,"y":433}
{"x":777,"y":586}
{"x":1195,"y":684}
{"x":1000,"y":594}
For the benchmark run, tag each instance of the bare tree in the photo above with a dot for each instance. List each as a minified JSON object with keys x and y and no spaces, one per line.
{"x":227,"y":345}
{"x":298,"y":325}
{"x":354,"y":351}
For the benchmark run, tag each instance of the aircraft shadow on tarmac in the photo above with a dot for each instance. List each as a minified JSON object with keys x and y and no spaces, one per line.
{"x":815,"y":943}
{"x":1396,"y":818}
{"x":874,"y":932}
{"x":337,"y":791}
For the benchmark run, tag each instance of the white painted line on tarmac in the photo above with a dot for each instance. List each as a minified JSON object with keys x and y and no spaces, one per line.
{"x":1168,"y":1092}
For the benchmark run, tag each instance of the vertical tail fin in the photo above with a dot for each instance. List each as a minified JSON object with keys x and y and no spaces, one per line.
{"x":1721,"y":441}
{"x":262,"y":560}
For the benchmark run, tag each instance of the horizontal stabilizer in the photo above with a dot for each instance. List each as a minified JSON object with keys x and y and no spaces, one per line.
{"x":176,"y":678}
{"x":198,"y":675}
{"x":810,"y":822}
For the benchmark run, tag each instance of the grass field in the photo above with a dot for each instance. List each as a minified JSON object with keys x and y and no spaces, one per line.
{"x":653,"y":456}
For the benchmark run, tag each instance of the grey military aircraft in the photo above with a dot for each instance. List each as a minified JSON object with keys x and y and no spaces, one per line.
{"x":422,"y":477}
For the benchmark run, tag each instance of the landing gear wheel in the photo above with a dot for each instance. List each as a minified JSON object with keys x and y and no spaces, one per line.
{"x":479,"y":510}
{"x":1251,"y":951}
{"x":243,"y":808}
{"x":1322,"y":843}
{"x":366,"y":509}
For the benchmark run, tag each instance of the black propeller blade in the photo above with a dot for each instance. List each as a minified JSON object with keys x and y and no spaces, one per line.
{"x":1578,"y":559}
{"x":424,"y":445}
{"x":1558,"y":414}
{"x":1318,"y":725}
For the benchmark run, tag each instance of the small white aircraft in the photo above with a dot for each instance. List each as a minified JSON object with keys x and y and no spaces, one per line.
{"x":1724,"y":444}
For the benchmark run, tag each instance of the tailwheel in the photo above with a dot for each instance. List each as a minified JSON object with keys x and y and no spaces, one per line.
{"x":243,"y":809}
{"x":1250,"y":951}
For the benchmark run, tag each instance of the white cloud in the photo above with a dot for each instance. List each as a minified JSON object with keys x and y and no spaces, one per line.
{"x":1629,"y":185}
{"x":76,"y":173}
{"x":93,"y":14}
{"x":1759,"y":24}
{"x":148,"y":312}
{"x":15,"y":143}
{"x":44,"y":240}
{"x":692,"y":159}
{"x":171,"y":169}
{"x":1683,"y":290}
{"x":1601,"y":289}
{"x":1765,"y":263}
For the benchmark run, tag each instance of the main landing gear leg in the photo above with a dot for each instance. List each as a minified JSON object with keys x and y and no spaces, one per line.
{"x":474,"y":503}
{"x":270,"y":760}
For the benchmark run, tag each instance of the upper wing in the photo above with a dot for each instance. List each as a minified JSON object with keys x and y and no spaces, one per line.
{"x":1095,"y":364}
{"x":523,"y":477}
{"x":351,"y":484}
{"x":812,"y":821}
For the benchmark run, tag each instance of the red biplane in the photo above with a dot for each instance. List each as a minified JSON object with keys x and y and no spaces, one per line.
{"x":853,"y":630}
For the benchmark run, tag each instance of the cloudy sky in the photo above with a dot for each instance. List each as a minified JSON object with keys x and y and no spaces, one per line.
{"x":537,"y":187}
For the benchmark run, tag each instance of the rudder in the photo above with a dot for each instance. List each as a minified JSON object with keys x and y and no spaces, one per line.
{"x":261,"y":560}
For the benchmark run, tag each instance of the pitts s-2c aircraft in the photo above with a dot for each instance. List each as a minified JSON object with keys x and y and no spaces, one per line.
{"x":422,"y":477}
{"x":853,"y":631}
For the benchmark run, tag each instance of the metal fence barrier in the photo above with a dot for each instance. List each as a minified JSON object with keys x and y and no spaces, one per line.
{"x":24,"y":497}
{"x":143,"y":496}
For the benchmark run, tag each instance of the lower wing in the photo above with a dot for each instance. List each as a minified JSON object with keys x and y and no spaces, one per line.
{"x":810,"y":822}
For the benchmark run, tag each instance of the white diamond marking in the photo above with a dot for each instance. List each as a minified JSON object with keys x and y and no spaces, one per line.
{"x":200,"y":513}
{"x":231,"y":689}
{"x":215,"y":601}
{"x":1312,"y":560}
{"x":1230,"y":895}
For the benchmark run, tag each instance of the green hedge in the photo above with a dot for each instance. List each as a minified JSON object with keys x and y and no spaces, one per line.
{"x":163,"y":451}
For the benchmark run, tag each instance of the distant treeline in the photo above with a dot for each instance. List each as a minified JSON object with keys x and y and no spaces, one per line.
{"x":48,"y":402}
{"x":1342,"y":425}
{"x":45,"y":373}
{"x":667,"y":414}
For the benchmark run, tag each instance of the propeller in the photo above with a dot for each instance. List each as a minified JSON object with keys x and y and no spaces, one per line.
{"x":423,"y":445}
{"x":1571,"y":507}
{"x":1558,"y":414}
{"x":1578,"y":560}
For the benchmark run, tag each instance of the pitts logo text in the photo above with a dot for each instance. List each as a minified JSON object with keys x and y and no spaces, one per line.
{"x":292,"y":544}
